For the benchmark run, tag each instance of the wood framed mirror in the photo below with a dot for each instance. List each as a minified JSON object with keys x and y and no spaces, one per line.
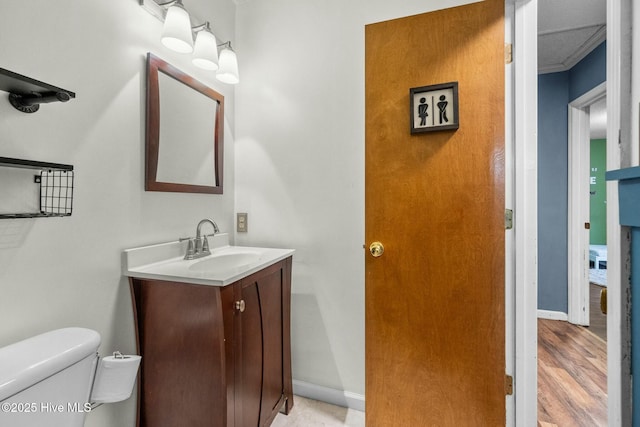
{"x":184,"y":132}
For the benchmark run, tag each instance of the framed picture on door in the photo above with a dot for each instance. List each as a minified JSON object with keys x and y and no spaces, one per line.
{"x":434,"y":107}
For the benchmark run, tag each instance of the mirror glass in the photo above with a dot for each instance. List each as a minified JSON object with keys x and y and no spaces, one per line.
{"x":184,"y":132}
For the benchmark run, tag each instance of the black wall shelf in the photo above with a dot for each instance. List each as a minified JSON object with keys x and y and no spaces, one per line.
{"x":32,"y":164}
{"x":56,"y":187}
{"x":26,"y":94}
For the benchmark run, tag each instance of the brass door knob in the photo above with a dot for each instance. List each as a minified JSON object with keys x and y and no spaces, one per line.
{"x":376,"y":249}
{"x":603,"y":301}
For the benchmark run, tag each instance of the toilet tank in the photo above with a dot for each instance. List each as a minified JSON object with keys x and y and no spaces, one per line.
{"x":46,"y":380}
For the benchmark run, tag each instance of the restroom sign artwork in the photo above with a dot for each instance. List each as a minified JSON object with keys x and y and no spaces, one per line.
{"x":434,"y":107}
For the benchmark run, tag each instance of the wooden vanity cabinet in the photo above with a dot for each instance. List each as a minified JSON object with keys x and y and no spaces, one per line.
{"x":214,"y":356}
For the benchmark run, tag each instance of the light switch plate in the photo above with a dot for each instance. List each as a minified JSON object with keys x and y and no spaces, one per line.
{"x":241,"y":222}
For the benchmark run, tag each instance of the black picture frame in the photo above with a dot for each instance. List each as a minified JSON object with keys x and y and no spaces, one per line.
{"x":434,"y":108}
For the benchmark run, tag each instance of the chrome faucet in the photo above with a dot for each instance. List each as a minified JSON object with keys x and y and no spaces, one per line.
{"x":198,"y":246}
{"x":201,"y":241}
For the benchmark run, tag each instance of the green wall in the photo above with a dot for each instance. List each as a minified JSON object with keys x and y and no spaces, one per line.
{"x":598,"y":189}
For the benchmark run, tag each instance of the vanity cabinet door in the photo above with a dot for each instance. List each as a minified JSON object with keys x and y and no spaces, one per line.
{"x":263,"y":365}
{"x":180,"y":335}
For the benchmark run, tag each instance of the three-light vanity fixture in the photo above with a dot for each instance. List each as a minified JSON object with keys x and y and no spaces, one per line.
{"x":177,"y":35}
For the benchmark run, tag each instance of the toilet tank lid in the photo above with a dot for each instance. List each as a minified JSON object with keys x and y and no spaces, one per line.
{"x":27,"y":362}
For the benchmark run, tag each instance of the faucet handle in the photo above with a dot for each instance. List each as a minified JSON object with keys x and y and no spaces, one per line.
{"x":205,"y":245}
{"x":190,"y":247}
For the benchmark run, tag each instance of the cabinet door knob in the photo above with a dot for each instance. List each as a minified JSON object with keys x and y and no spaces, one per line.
{"x":240,"y":306}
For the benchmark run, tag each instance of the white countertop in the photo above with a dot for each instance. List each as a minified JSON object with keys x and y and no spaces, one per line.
{"x":165,"y":261}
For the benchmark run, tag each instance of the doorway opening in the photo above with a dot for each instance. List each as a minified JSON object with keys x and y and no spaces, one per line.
{"x":572,"y":361}
{"x":598,"y":253}
{"x":586,"y":215}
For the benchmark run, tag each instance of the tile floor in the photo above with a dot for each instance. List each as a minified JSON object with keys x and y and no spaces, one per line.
{"x":312,"y":413}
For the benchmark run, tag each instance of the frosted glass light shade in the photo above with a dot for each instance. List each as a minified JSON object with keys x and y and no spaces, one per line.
{"x":176,"y":33}
{"x":205,"y":51}
{"x":228,"y":71}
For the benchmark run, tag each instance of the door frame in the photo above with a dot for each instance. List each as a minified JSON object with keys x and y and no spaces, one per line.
{"x":509,"y":195}
{"x":525,"y":188}
{"x":578,"y":212}
{"x":618,"y":90}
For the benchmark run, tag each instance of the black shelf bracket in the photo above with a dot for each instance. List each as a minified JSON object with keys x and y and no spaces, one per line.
{"x":26,"y":94}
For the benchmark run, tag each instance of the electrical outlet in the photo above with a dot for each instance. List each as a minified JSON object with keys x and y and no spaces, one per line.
{"x":241,"y":222}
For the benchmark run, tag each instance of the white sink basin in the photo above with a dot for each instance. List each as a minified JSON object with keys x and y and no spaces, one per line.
{"x":225,"y":261}
{"x":225,"y":265}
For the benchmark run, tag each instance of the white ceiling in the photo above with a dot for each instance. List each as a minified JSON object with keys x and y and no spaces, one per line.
{"x":568,"y":30}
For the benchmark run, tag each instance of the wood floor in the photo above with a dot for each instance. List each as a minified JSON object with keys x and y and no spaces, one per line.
{"x":572,"y":376}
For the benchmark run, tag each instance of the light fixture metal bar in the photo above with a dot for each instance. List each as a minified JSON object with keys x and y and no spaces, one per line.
{"x":154,"y":8}
{"x":201,"y":27}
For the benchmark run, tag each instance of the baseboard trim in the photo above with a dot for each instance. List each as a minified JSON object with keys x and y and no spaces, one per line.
{"x":552,"y":315}
{"x":342,"y":398}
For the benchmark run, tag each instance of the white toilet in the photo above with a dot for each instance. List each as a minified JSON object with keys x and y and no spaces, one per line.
{"x":56,"y":378}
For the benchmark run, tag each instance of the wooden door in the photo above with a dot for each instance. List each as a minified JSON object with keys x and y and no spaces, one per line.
{"x":435,"y":325}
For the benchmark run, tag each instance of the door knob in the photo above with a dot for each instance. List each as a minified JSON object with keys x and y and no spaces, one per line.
{"x":376,"y":249}
{"x":240,"y":306}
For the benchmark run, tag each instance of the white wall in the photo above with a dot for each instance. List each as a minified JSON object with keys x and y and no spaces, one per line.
{"x":300,"y":165}
{"x":58,"y":272}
